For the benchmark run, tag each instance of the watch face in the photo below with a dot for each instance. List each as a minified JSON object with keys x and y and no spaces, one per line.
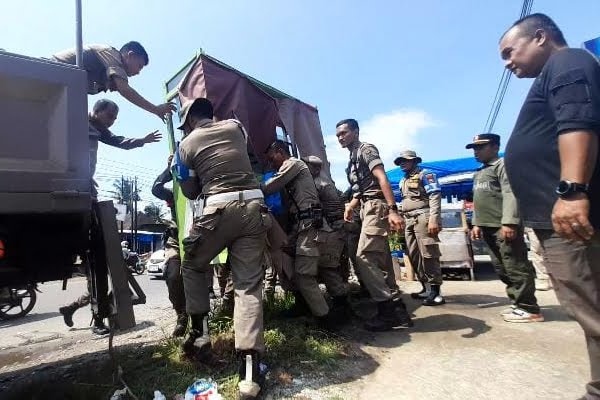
{"x":563,"y":187}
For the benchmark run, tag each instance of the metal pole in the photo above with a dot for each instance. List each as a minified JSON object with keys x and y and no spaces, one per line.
{"x":121,"y":201}
{"x":135,"y":199}
{"x":78,"y":35}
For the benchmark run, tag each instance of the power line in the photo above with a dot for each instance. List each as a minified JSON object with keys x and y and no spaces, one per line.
{"x":504,"y":81}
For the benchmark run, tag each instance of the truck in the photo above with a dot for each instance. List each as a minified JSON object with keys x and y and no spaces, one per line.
{"x":44,"y":170}
{"x":45,"y":191}
{"x":266,"y":113}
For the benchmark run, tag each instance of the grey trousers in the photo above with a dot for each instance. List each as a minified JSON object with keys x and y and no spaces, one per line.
{"x":574,"y":268}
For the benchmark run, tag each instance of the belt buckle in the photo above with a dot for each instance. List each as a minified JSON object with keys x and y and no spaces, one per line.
{"x":241,"y":198}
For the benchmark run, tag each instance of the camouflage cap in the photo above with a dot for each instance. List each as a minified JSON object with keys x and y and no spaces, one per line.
{"x":313,"y":160}
{"x":185,"y":109}
{"x":407,"y":155}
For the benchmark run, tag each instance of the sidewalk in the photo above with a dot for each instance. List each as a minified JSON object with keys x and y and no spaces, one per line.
{"x":464,"y":350}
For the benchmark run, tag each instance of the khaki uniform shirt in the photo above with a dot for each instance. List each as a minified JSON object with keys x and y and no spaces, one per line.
{"x":102,"y":63}
{"x":295,"y":176}
{"x":421,"y":191}
{"x":99,"y":133}
{"x":333,"y":208}
{"x":217,"y":156}
{"x":493,"y":200}
{"x":364,"y":157}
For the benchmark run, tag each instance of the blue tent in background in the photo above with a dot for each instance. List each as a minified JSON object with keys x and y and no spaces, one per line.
{"x":455,"y":176}
{"x":593,"y":46}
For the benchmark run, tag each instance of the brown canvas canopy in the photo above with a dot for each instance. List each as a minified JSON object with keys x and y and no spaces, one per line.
{"x":260,"y":107}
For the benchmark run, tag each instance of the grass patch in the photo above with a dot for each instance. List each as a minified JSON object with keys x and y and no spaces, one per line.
{"x":292,"y":347}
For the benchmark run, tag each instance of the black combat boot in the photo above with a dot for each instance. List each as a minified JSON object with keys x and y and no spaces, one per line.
{"x":299,"y":309}
{"x":269,"y":297}
{"x":181,"y":326}
{"x":251,"y":377}
{"x":422,"y":294}
{"x":399,"y":303}
{"x":67,"y":313}
{"x":329,"y":322}
{"x":342,"y":309}
{"x":362,"y":293}
{"x":388,"y":317}
{"x":434,"y":298}
{"x":197,"y":343}
{"x":99,"y":328}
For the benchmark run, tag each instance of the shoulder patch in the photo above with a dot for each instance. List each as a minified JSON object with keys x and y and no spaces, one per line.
{"x":369,"y":152}
{"x":430,"y":177}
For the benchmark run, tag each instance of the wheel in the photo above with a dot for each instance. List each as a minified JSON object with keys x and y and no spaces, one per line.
{"x":140,"y":268}
{"x":19,"y":303}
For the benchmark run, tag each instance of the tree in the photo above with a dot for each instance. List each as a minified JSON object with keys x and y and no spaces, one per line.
{"x":123,"y":192}
{"x":153,"y":211}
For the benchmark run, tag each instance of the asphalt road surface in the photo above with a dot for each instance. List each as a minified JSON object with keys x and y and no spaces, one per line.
{"x":44,"y":322}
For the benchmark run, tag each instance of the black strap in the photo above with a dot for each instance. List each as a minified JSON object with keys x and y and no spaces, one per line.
{"x":355,"y":163}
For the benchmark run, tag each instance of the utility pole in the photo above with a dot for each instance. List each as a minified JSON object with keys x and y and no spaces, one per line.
{"x":135,"y":199}
{"x":129,"y":183}
{"x":121,"y":201}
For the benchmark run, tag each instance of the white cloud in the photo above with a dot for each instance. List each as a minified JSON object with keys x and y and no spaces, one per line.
{"x":390,"y":133}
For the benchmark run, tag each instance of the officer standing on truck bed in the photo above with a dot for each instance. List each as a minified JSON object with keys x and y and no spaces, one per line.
{"x":109,"y":69}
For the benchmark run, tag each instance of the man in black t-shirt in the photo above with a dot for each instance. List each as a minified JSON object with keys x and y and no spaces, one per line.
{"x":553,"y":166}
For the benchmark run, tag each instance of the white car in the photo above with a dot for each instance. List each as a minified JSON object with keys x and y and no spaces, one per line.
{"x":156,"y":264}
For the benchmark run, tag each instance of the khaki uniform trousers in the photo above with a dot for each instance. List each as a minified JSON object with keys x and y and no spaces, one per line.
{"x":331,"y":246}
{"x":373,"y":259}
{"x":306,"y":266}
{"x":574,"y":268}
{"x":537,"y":257}
{"x":241,"y":227}
{"x":423,"y":250}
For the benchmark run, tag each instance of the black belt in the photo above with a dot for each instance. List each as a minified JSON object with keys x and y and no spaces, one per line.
{"x":367,"y":198}
{"x":302,"y":214}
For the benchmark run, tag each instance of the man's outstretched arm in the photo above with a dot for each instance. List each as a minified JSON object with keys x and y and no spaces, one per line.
{"x":161,"y":110}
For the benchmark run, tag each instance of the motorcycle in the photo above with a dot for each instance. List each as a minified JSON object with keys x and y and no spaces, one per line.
{"x":134,"y":263}
{"x":16,"y":302}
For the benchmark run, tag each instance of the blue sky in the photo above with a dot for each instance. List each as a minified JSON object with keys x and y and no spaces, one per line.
{"x":418,"y":75}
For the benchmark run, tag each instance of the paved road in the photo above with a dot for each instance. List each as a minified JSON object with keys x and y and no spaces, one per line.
{"x":45,"y":323}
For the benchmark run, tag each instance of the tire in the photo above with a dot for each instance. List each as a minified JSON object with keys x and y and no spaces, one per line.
{"x":140,"y":268}
{"x":20,"y":296}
